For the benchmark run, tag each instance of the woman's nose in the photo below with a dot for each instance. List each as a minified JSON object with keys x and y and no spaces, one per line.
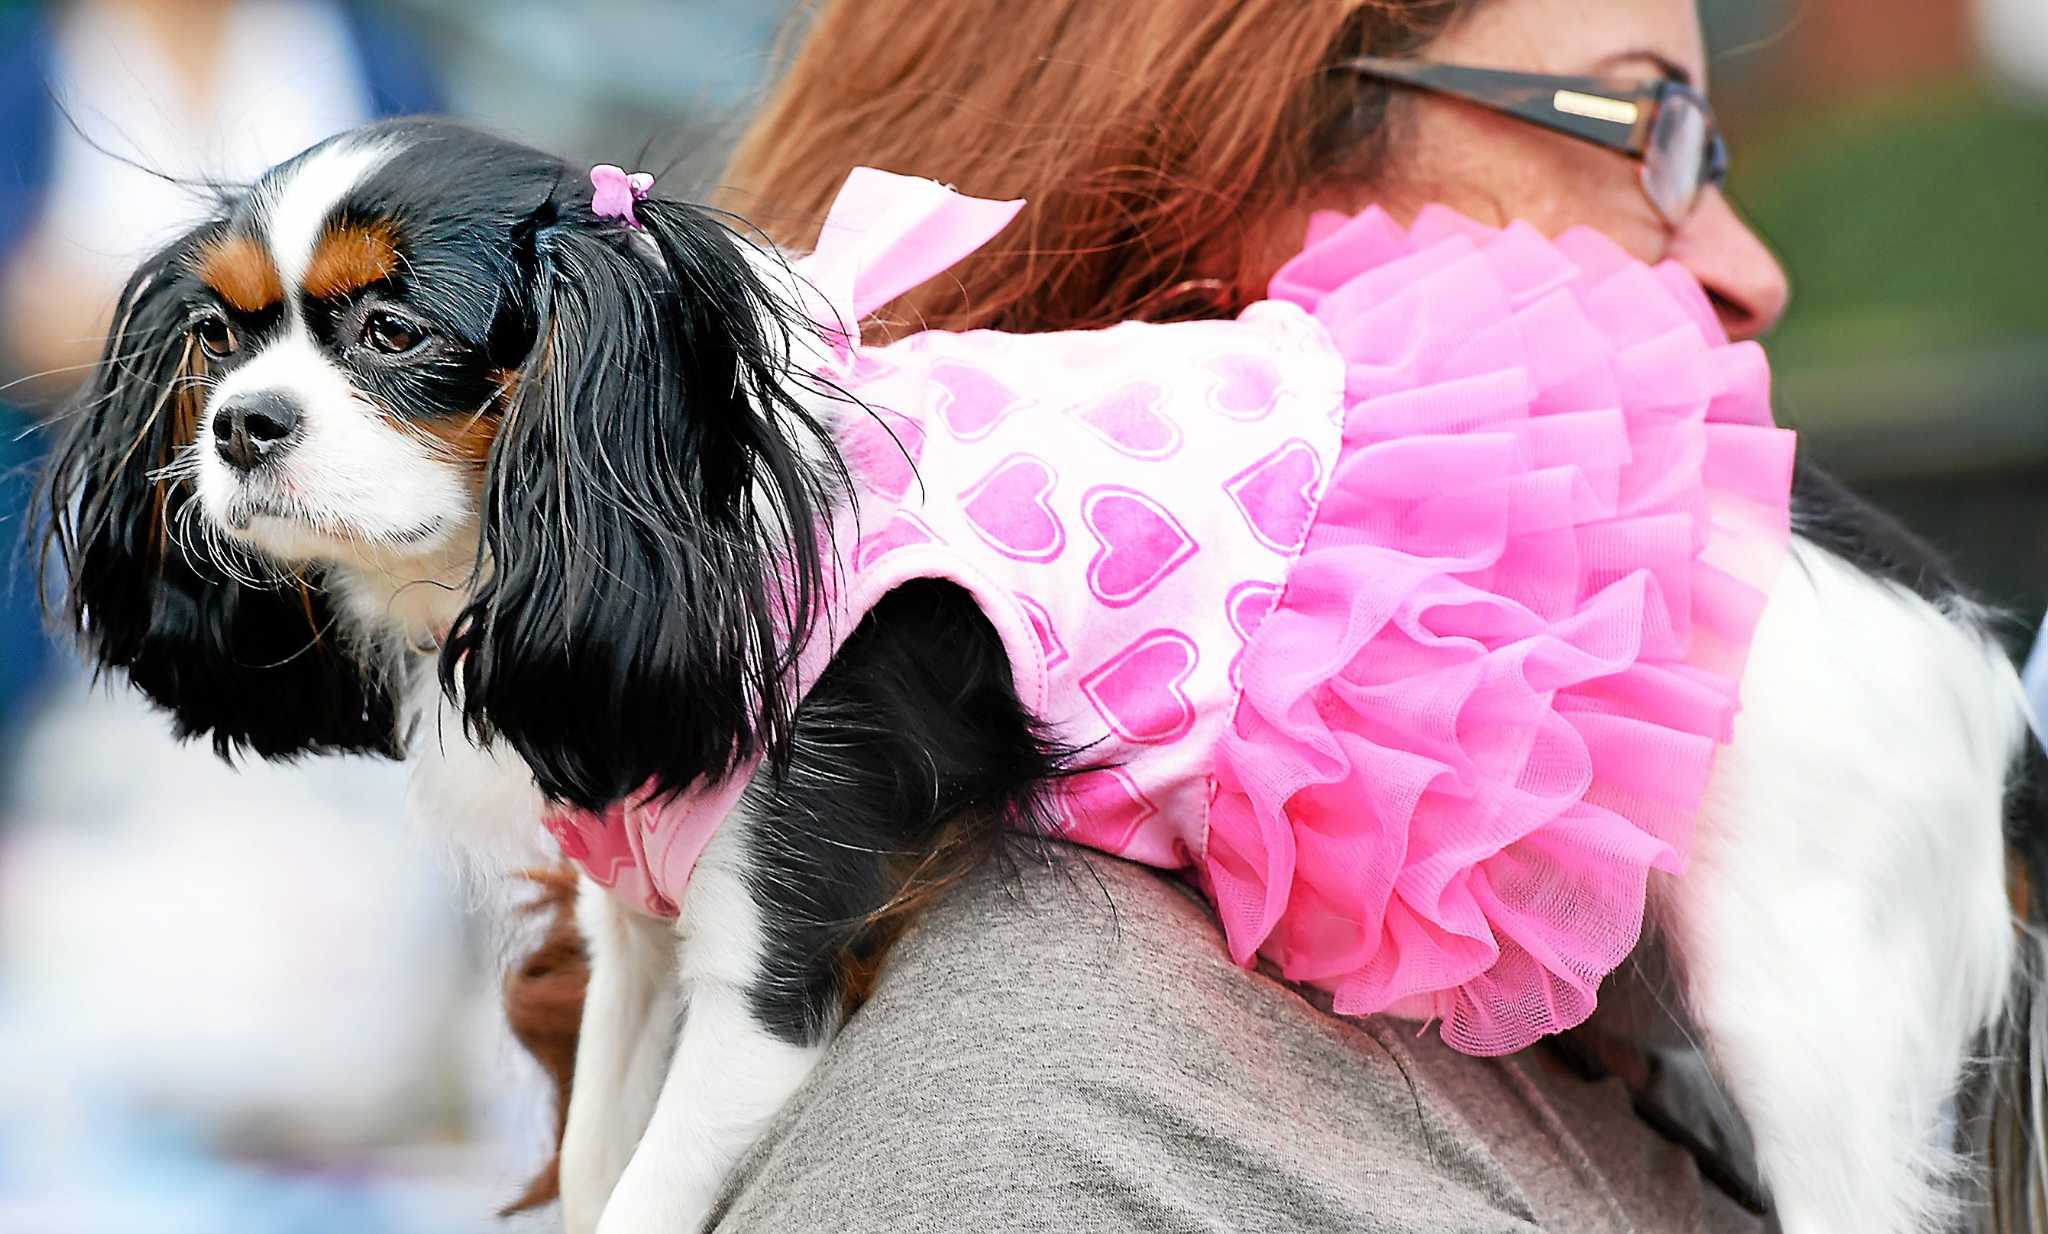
{"x":1732,"y":263}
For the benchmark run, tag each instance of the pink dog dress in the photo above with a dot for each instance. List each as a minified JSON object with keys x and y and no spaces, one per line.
{"x":1406,"y":610}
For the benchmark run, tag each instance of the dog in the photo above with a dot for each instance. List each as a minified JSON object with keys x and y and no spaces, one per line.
{"x":411,"y":452}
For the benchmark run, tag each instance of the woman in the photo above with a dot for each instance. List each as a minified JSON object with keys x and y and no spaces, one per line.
{"x":1075,"y":1052}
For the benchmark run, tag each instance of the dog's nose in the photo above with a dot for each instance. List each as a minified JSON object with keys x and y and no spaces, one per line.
{"x":252,"y":427}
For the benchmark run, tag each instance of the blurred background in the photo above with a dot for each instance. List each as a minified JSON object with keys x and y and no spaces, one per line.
{"x":1895,"y":152}
{"x":255,"y":1001}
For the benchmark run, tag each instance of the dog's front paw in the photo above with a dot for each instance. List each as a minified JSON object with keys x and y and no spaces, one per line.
{"x":582,"y":1210}
{"x":676,"y":1207}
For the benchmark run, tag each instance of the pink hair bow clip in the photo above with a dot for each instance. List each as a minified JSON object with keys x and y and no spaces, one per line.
{"x":616,"y":192}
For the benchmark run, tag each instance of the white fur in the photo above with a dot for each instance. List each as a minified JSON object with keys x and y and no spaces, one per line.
{"x":296,"y":207}
{"x":358,"y":486}
{"x":629,"y":1030}
{"x":355,"y":479}
{"x":483,"y":801}
{"x":1843,"y":932}
{"x":414,"y":593}
{"x":1842,"y":936}
{"x":649,"y":1137}
{"x":729,"y":1075}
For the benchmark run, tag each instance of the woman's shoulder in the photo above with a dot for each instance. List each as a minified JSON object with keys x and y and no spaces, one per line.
{"x":1069,"y":1047}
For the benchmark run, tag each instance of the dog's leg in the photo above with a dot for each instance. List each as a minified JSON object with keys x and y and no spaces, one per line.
{"x":730,"y":1073}
{"x":629,"y":1022}
{"x":1843,"y":933}
{"x":905,"y":767}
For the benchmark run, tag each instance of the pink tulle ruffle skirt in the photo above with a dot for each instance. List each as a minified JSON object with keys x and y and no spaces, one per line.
{"x":1488,"y":701}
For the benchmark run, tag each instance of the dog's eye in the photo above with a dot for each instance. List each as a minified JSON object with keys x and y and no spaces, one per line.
{"x":216,"y":336}
{"x":391,"y":334}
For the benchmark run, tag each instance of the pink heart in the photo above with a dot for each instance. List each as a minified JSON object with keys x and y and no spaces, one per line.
{"x":1247,"y":607}
{"x":882,"y":449}
{"x":1041,"y":624}
{"x":1246,"y":387}
{"x":1129,"y":420}
{"x":902,"y":531}
{"x":1138,"y":691}
{"x":1105,"y":809}
{"x":1141,"y":544}
{"x":972,"y":402}
{"x":1276,"y":495}
{"x":1008,"y":508}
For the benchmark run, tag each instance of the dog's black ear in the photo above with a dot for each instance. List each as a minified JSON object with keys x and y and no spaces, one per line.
{"x":250,"y":661}
{"x":651,"y":514}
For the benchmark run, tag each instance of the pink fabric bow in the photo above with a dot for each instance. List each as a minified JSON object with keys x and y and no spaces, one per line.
{"x":884,"y":235}
{"x":616,"y":191}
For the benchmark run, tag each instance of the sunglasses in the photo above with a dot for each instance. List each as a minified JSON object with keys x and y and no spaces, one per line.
{"x":1664,"y":125}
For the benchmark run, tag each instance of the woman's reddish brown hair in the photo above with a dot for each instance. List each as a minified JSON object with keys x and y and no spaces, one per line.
{"x":1169,"y":149}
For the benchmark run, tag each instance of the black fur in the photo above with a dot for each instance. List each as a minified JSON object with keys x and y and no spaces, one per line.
{"x":2026,"y":813}
{"x":2005,"y":1099}
{"x":650,"y":514}
{"x":912,"y":759}
{"x":1827,"y":513}
{"x":650,"y":561}
{"x":231,"y":648}
{"x":648,"y":509}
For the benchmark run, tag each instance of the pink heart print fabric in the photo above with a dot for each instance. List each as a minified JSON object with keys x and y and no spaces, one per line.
{"x":1402,"y":613}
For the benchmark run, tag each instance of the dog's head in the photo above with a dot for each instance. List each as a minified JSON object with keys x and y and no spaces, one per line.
{"x":410,"y":379}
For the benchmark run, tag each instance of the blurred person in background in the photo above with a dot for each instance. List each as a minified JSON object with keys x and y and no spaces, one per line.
{"x":208,"y":972}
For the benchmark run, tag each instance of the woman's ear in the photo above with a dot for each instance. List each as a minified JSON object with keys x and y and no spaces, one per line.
{"x":651,"y":515}
{"x":252,"y":662}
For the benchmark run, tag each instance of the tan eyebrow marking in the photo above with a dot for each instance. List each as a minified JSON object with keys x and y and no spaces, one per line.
{"x":240,"y":272}
{"x":350,"y":257}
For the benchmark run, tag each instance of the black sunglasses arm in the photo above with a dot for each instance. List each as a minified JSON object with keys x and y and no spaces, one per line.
{"x":1584,"y":107}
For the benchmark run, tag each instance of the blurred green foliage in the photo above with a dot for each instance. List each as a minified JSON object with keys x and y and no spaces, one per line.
{"x":1911,"y":224}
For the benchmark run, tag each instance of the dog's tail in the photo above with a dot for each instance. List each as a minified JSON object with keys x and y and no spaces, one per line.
{"x":2012,"y":1102}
